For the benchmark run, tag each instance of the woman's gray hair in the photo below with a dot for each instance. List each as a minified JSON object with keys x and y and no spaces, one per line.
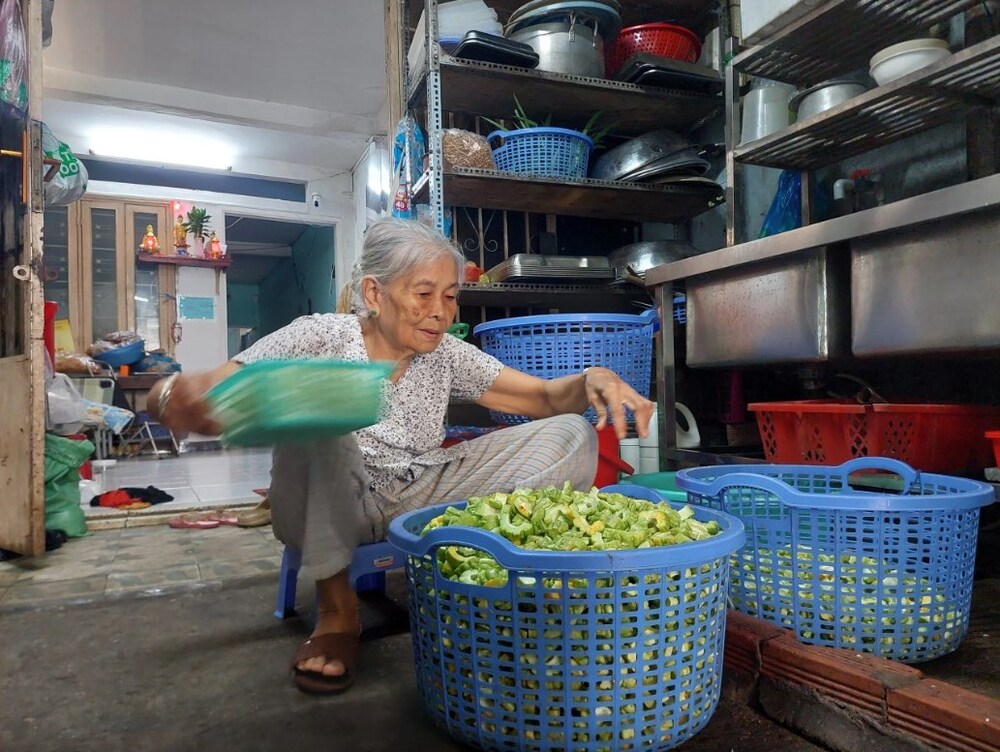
{"x":394,"y":247}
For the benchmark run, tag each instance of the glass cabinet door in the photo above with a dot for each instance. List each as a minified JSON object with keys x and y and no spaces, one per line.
{"x":56,"y":260}
{"x":104,"y":269}
{"x":146,"y":296}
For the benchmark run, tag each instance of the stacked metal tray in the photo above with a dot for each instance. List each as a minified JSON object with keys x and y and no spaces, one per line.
{"x":531,"y":266}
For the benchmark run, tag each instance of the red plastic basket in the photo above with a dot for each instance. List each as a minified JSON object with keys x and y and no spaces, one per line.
{"x":663,"y":39}
{"x":994,"y":437}
{"x":933,"y":438}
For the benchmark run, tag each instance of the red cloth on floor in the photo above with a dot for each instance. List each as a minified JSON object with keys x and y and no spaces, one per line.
{"x":115,"y":499}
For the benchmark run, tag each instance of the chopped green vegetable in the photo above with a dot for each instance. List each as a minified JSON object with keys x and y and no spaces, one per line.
{"x":562,"y":520}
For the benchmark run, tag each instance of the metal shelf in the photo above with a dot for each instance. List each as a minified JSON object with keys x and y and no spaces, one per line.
{"x":600,"y":199}
{"x":841,"y":36}
{"x":486,"y":89}
{"x":566,"y":298}
{"x":920,"y":101}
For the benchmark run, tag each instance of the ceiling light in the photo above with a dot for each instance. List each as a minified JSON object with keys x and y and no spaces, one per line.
{"x":162,"y":147}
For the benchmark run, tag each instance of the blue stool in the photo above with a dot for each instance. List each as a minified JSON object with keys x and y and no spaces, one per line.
{"x":367,"y":572}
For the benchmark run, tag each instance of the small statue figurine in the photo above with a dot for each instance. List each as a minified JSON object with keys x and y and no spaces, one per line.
{"x":214,"y":250}
{"x":180,"y":236}
{"x":149,"y":242}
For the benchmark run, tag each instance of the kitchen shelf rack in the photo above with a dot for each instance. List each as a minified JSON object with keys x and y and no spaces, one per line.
{"x":448,"y":85}
{"x":921,"y":100}
{"x":638,"y":202}
{"x":840,"y":36}
{"x":485,"y":89}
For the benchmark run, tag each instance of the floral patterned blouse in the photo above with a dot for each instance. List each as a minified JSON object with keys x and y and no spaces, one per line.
{"x":413,"y":423}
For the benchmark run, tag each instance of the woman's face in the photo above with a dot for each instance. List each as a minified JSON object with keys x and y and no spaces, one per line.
{"x":417,"y":309}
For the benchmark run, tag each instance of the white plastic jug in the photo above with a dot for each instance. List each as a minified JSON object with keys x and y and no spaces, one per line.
{"x":690,"y":437}
{"x":687,"y":438}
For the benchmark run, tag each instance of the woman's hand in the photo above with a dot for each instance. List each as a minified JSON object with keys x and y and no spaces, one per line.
{"x":609,"y":396}
{"x":178,"y":401}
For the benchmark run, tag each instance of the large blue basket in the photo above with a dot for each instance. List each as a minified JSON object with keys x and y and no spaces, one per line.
{"x":599,"y":651}
{"x":561,"y":345}
{"x":875,"y":571}
{"x":545,"y":152}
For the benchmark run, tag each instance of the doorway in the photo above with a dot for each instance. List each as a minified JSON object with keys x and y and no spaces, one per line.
{"x":280,"y":270}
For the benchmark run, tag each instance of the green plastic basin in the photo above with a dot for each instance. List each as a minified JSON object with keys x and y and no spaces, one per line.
{"x":665,"y":483}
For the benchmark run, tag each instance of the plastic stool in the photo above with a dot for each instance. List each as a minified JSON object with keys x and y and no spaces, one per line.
{"x":366,"y":574}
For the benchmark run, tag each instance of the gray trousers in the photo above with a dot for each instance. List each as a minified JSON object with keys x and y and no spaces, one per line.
{"x":322,"y":504}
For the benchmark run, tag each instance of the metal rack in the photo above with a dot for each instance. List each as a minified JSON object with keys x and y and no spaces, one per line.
{"x":449,"y":85}
{"x":841,"y":36}
{"x":834,"y":39}
{"x":920,"y":101}
{"x":837,"y":38}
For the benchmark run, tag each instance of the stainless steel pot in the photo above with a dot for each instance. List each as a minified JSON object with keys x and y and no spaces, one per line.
{"x":636,"y":153}
{"x":639,"y":258}
{"x":570,"y":45}
{"x":824,"y":96}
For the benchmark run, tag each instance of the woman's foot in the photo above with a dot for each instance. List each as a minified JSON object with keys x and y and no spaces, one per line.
{"x":326,"y":661}
{"x":256,"y":517}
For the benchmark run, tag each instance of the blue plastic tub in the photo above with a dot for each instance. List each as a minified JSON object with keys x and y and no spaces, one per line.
{"x":596,"y":651}
{"x":123,"y":356}
{"x":871,"y":570}
{"x":561,"y":345}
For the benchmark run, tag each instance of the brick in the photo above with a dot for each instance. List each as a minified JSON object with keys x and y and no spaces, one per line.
{"x":858,"y":680}
{"x":946,"y":715}
{"x":744,"y":635}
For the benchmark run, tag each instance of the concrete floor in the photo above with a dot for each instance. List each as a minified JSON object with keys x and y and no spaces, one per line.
{"x":208,"y":670}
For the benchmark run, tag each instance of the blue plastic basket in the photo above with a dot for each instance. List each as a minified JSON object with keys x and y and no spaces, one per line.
{"x":125,"y":355}
{"x":545,"y":152}
{"x":680,"y":308}
{"x":644,"y":629}
{"x":875,"y":571}
{"x":560,"y":345}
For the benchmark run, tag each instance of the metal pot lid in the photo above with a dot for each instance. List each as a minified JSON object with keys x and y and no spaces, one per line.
{"x":686,"y":164}
{"x":638,"y":152}
{"x":796,"y":101}
{"x":609,"y":20}
{"x":540,"y":4}
{"x":646,"y":255}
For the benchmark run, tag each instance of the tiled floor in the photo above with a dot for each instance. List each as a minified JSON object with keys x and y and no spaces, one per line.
{"x":130,"y":561}
{"x":196,"y":480}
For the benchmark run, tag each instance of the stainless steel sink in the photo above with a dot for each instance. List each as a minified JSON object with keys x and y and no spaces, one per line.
{"x":932,"y":287}
{"x":790,"y":309}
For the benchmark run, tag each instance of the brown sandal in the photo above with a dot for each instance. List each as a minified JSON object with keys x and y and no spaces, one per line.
{"x":334,"y":646}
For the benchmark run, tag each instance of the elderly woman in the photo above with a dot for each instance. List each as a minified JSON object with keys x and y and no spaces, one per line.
{"x":329,"y":497}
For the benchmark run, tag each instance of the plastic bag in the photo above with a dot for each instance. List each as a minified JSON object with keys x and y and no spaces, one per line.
{"x":465,"y":149}
{"x":79,"y":363}
{"x":156,"y":362}
{"x":786,"y":208}
{"x":13,"y":61}
{"x":408,"y":133}
{"x":65,"y":404}
{"x":63,"y":458}
{"x":71,"y":181}
{"x":112,"y":341}
{"x":99,"y":415}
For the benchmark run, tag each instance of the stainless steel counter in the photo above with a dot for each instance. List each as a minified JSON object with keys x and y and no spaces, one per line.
{"x":968,"y":197}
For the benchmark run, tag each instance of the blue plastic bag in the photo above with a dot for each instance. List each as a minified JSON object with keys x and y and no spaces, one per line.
{"x":786,"y":208}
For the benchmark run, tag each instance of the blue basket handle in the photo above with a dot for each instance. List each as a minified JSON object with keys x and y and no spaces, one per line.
{"x":786,"y":494}
{"x":910,"y":476}
{"x":651,"y":316}
{"x":495,"y":134}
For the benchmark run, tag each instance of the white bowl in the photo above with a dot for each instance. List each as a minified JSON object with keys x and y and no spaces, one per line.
{"x":906,"y":57}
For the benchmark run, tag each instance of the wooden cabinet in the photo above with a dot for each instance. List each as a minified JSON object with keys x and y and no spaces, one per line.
{"x":92,"y":272}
